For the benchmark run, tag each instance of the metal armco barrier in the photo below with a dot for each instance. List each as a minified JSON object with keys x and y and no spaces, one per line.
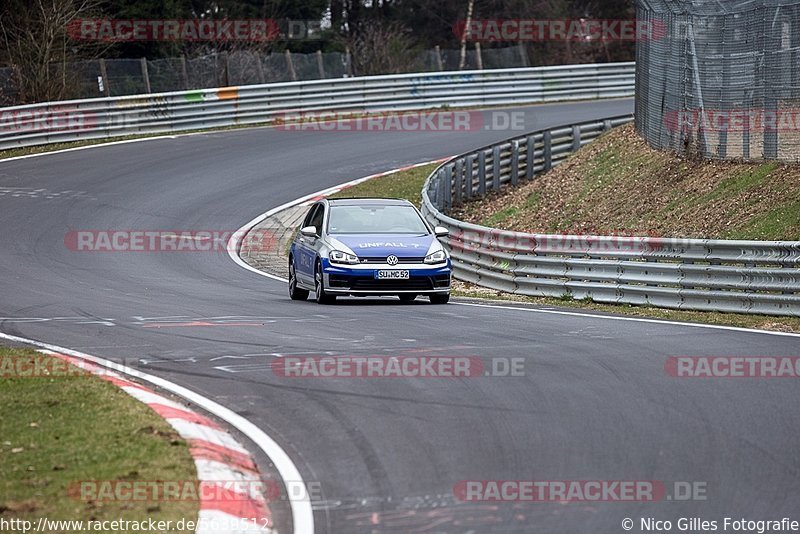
{"x":694,"y":274}
{"x":75,"y":120}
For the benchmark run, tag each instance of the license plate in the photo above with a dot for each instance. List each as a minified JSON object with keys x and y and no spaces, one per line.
{"x":392,"y":275}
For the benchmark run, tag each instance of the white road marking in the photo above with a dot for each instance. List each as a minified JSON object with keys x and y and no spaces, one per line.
{"x":633,"y":319}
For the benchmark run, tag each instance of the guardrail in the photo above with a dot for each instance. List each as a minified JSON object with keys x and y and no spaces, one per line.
{"x":695,"y":274}
{"x":75,"y":120}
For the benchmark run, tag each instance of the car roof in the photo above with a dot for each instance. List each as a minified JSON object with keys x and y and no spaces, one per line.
{"x":369,"y":202}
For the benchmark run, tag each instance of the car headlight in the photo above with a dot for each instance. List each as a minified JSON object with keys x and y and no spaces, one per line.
{"x":337,"y":256}
{"x":437,"y":257}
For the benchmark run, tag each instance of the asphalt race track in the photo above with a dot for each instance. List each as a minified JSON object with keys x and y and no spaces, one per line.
{"x":594,"y":404}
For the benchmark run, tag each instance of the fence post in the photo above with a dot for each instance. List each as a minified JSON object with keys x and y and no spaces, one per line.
{"x":438,"y":53}
{"x":482,"y":173}
{"x":290,"y":65}
{"x":548,"y":150}
{"x":260,"y":68}
{"x":226,"y":71}
{"x":320,"y":65}
{"x":496,"y":168}
{"x":514,"y":162}
{"x":576,"y":137}
{"x":145,"y":75}
{"x":523,"y":55}
{"x":185,"y":73}
{"x":104,"y":74}
{"x":348,"y":63}
{"x":478,"y":56}
{"x":469,"y":161}
{"x":530,"y":153}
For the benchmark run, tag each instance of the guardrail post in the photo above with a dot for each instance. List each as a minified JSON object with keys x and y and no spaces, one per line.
{"x":576,"y":137}
{"x":468,"y":175}
{"x":496,"y":168}
{"x":530,"y":157}
{"x":441,"y":195}
{"x":482,"y":173}
{"x":447,"y":180}
{"x":548,"y":150}
{"x":514,"y":162}
{"x":458,"y":180}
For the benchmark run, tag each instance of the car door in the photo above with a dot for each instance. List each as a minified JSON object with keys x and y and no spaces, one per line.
{"x":305,"y":247}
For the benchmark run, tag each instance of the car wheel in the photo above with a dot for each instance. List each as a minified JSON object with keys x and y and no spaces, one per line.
{"x":439,"y":298}
{"x":295,"y":293}
{"x":319,"y":288}
{"x":407,"y":297}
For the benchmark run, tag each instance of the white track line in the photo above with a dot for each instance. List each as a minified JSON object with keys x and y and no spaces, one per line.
{"x":302,"y":514}
{"x":634,"y":319}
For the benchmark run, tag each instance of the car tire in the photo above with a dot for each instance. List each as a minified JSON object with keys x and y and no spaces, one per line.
{"x":438,"y":298}
{"x":295,"y":293}
{"x":319,"y":287}
{"x":407,"y":297}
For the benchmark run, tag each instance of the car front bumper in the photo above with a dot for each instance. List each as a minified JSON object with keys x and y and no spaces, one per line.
{"x":362,"y":279}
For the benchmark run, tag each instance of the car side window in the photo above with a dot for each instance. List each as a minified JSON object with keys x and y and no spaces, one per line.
{"x":309,"y":216}
{"x":316,"y":218}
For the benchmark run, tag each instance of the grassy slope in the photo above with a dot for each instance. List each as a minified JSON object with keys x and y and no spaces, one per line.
{"x":618,"y":185}
{"x":61,"y":430}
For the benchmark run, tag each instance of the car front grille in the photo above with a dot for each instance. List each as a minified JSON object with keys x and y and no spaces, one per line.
{"x":382,"y":259}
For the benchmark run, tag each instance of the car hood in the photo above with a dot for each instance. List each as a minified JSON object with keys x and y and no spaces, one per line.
{"x":400,"y":245}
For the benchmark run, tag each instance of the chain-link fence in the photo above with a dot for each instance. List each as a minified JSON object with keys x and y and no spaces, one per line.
{"x":118,"y":77}
{"x":720,"y":79}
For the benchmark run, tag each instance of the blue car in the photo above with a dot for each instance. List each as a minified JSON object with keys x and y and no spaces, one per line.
{"x":364,"y":247}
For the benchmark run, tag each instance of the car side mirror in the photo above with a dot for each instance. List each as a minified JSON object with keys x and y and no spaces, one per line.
{"x":309,"y":231}
{"x":441,"y":231}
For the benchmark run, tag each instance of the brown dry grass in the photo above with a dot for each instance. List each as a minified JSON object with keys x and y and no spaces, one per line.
{"x":619,"y":185}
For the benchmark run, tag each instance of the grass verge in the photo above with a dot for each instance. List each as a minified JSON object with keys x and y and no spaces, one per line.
{"x":408,"y":184}
{"x":404,"y":184}
{"x":59,"y":430}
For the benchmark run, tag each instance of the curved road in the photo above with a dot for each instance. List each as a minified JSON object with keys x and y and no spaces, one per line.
{"x":594,"y":404}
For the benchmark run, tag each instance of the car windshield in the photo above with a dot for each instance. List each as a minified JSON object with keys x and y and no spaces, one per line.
{"x":375,"y":219}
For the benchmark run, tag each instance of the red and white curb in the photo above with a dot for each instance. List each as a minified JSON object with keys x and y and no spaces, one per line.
{"x":218,"y":457}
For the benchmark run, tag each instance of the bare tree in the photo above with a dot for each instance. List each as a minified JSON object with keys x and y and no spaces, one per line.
{"x":381,"y":48}
{"x":39,"y":48}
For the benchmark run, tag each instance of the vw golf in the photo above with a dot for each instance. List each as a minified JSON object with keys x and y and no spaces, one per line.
{"x":365,"y":247}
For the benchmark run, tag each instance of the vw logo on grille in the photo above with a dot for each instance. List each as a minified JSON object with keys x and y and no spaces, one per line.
{"x":392,"y":260}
